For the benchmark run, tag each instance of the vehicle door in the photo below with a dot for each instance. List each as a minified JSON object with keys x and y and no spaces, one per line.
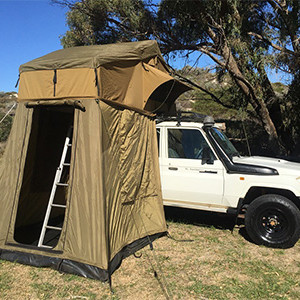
{"x":187,"y":175}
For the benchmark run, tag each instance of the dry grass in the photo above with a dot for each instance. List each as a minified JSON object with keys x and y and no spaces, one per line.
{"x":214,"y":264}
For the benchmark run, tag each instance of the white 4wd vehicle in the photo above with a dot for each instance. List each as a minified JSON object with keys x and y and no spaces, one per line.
{"x":201,"y":169}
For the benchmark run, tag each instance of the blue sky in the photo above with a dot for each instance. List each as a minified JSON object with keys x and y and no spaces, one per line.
{"x":31,"y":28}
{"x":28,"y":29}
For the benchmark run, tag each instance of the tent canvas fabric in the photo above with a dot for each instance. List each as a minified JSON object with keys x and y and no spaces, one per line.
{"x":113,"y":201}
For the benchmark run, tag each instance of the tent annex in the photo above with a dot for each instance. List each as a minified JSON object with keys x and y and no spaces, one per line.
{"x":79,"y":179}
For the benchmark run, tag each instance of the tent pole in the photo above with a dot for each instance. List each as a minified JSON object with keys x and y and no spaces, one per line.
{"x":110,"y":280}
{"x":8,"y":112}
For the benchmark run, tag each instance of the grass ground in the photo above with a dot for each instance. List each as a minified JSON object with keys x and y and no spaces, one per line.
{"x":209,"y":262}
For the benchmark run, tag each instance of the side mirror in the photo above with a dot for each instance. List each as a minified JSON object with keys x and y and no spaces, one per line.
{"x":207,"y":156}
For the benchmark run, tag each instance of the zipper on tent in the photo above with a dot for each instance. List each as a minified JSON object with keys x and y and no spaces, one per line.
{"x":54,"y":82}
{"x":97,"y":82}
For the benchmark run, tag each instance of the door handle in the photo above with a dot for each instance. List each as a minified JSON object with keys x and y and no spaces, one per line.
{"x":209,"y":172}
{"x":173,"y":168}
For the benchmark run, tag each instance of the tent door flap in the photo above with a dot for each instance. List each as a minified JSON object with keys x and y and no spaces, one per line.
{"x":44,"y":155}
{"x":57,"y":183}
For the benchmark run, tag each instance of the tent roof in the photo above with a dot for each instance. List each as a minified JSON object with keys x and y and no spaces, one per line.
{"x":94,"y":56}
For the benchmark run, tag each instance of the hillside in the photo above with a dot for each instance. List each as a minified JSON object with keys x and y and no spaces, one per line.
{"x":227,"y":107}
{"x":221,"y":87}
{"x":7,"y":100}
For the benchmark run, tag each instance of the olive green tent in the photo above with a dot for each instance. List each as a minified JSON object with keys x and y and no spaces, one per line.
{"x":108,"y":203}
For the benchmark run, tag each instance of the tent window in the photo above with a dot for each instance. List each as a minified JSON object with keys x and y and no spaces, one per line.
{"x":49,"y":129}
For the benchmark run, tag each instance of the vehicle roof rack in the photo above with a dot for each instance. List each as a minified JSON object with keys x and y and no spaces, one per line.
{"x":181,"y":116}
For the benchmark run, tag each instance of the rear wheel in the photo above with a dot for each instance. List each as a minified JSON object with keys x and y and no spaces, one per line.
{"x":273,"y":221}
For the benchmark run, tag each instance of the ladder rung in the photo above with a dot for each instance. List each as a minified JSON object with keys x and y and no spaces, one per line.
{"x":59,"y":205}
{"x":44,"y":246}
{"x":61,"y":184}
{"x":66,"y":164}
{"x":53,"y":227}
{"x":69,"y":145}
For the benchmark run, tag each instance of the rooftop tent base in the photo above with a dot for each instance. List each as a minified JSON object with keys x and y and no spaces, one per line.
{"x":77,"y":268}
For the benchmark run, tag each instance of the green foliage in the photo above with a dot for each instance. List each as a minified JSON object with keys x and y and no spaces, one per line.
{"x":292,"y":107}
{"x":205,"y":105}
{"x":6,"y":102}
{"x":5,"y":127}
{"x":101,"y":22}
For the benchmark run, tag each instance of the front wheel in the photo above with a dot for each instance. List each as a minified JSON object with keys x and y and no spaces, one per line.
{"x":273,"y":221}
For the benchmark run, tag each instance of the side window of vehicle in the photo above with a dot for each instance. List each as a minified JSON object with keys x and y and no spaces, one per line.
{"x":187,"y":143}
{"x":158,"y":139}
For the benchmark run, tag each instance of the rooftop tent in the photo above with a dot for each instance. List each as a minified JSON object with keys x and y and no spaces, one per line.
{"x":96,"y":103}
{"x":131,"y":74}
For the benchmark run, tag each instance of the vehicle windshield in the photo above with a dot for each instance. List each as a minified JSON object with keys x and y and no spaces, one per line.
{"x":224,"y":142}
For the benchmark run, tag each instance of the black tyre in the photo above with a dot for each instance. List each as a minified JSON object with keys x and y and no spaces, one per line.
{"x":273,"y":221}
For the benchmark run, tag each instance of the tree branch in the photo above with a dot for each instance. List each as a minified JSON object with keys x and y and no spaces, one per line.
{"x":277,"y":47}
{"x":205,"y":50}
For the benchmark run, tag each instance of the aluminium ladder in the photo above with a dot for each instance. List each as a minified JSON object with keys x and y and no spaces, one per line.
{"x":56,"y":183}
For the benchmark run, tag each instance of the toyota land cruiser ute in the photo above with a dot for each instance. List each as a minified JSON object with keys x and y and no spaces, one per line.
{"x":201,"y":169}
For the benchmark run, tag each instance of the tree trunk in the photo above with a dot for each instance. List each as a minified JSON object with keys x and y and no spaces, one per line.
{"x":232,"y":67}
{"x":273,"y":105}
{"x":258,"y":104}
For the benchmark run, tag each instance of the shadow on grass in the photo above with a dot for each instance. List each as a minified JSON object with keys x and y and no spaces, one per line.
{"x":206,"y":219}
{"x":200,"y":218}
